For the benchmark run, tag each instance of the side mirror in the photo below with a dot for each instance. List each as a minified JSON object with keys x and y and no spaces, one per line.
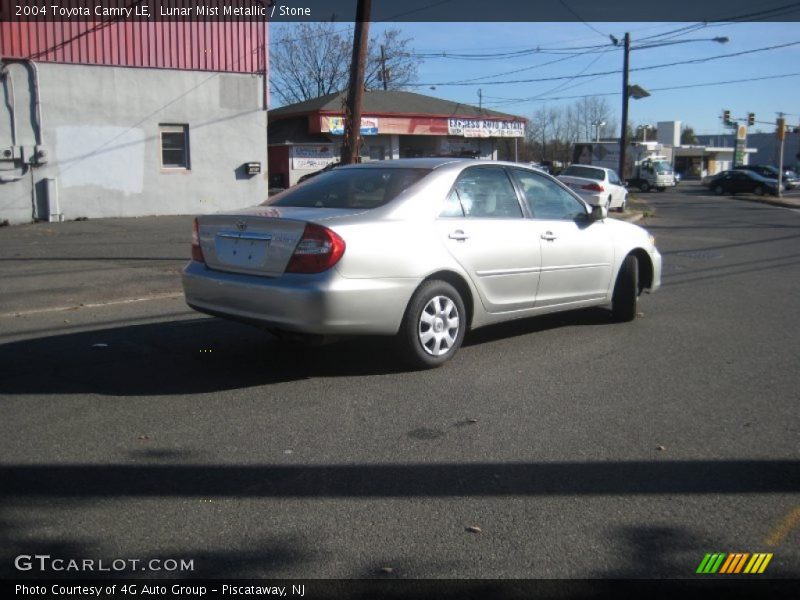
{"x":598,"y":213}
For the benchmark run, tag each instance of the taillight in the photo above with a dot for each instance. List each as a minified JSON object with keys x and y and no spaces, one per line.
{"x":197,"y":251}
{"x":318,"y":250}
{"x":593,"y":187}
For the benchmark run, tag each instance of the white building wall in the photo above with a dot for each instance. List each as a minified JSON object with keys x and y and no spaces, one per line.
{"x":100,"y":134}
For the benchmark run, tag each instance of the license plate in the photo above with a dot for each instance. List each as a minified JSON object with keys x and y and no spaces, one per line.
{"x":242,"y":249}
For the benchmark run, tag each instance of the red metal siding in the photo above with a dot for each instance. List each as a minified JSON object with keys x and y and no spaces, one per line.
{"x":193,"y":45}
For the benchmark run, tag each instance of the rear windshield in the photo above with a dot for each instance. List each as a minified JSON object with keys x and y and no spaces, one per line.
{"x":350,"y":188}
{"x":585,"y":172}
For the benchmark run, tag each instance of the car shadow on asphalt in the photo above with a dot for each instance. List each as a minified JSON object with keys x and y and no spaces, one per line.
{"x":416,"y":480}
{"x":207,"y":355}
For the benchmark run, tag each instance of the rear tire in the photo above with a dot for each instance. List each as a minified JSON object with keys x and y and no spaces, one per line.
{"x":434,"y":325}
{"x":718,"y":190}
{"x":644,"y":186}
{"x":759,"y":191}
{"x":626,"y":291}
{"x":661,"y":189}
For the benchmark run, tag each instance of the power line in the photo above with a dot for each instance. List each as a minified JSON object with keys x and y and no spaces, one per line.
{"x":577,"y":16}
{"x":540,"y":98}
{"x":661,"y":66}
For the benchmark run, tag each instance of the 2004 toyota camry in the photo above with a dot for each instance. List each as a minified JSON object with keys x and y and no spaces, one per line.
{"x":422,"y":249}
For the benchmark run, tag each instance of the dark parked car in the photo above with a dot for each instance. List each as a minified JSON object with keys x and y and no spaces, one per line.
{"x":741,"y":181}
{"x":789,"y":179}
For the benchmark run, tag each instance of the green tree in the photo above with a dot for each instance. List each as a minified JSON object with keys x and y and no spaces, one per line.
{"x":688,"y":136}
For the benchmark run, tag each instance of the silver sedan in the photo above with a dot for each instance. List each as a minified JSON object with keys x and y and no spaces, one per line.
{"x":420,"y":249}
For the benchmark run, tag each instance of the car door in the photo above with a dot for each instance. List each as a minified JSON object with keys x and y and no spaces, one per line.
{"x":577,"y":254}
{"x":618,"y":191}
{"x":483,"y":228}
{"x":741,"y":181}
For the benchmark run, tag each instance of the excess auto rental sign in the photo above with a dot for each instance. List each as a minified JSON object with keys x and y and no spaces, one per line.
{"x":485,"y":128}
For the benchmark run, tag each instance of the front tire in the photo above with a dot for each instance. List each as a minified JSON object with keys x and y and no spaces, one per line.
{"x":434,"y":325}
{"x":623,"y":205}
{"x":759,"y":191}
{"x":644,"y":186}
{"x":719,"y":190}
{"x":626,"y":291}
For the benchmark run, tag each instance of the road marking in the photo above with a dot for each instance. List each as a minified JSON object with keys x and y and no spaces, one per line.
{"x":785,"y":527}
{"x":38,"y":311}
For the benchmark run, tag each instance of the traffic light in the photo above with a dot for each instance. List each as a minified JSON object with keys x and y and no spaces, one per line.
{"x":751,"y":119}
{"x":726,"y":116}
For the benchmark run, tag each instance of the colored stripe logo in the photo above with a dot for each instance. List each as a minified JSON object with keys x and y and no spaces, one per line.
{"x":734,"y":563}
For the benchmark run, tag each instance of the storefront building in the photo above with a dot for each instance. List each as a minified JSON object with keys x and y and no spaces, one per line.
{"x":307,"y":136}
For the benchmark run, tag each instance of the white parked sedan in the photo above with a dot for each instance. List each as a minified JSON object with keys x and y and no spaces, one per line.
{"x":421,"y":249}
{"x":597,"y":185}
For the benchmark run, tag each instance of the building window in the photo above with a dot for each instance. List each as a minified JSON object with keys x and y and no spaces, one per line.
{"x":174,"y":146}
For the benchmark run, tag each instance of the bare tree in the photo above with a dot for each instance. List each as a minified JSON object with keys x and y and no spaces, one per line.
{"x":400,"y":66}
{"x":313,"y":60}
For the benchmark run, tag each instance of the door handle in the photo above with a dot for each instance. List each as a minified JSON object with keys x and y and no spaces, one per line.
{"x":459,"y":235}
{"x":548,"y":235}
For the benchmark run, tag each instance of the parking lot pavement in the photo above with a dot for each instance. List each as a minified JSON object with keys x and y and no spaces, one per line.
{"x":65,"y":265}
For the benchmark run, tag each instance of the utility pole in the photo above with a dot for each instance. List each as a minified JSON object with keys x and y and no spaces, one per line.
{"x":623,"y":138}
{"x":480,"y":100}
{"x":355,"y":94}
{"x":384,"y":73}
{"x":781,"y":131}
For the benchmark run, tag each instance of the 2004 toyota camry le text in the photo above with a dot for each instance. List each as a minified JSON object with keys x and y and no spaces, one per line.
{"x":421,"y":249}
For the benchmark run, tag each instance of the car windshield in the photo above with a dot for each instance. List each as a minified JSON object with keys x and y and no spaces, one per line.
{"x":585,"y":172}
{"x":350,"y":188}
{"x":662,"y":167}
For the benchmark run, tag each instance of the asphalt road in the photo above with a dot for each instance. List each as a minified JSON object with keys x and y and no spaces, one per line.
{"x":578,"y":447}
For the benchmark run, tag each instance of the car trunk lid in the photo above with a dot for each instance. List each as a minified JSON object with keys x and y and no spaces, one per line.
{"x":257,"y":241}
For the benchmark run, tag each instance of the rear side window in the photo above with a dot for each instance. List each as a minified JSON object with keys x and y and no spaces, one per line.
{"x":485,"y":193}
{"x":350,"y":188}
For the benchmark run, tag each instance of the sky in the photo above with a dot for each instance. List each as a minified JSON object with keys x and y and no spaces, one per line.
{"x":695,"y":105}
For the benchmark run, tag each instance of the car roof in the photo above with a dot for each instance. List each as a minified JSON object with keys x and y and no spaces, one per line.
{"x":590,"y":167}
{"x":410,"y":163}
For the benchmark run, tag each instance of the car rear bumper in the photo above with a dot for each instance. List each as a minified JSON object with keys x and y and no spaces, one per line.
{"x":324,"y":303}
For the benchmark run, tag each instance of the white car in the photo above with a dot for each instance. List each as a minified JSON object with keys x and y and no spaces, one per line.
{"x":598,"y":186}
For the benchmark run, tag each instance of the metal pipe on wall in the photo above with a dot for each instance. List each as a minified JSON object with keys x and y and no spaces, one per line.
{"x":5,"y":75}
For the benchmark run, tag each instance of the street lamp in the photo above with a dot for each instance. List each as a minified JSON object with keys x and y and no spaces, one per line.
{"x":598,"y":125}
{"x":637,"y":92}
{"x":644,"y":129}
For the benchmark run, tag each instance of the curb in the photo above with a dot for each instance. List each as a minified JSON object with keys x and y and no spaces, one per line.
{"x":769,"y":201}
{"x":632,"y":217}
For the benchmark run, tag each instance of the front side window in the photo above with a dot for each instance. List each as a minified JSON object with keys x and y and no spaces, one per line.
{"x":485,"y":193}
{"x":174,"y":146}
{"x":546,"y":199}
